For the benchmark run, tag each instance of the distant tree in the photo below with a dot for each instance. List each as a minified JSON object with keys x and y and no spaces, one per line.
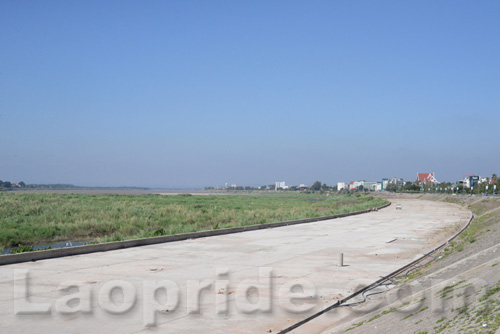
{"x":391,"y":187}
{"x":22,"y":184}
{"x":344,"y":191}
{"x":481,"y":187}
{"x":271,"y":187}
{"x":316,"y":186}
{"x":7,"y":185}
{"x":263,"y":187}
{"x":409,"y":186}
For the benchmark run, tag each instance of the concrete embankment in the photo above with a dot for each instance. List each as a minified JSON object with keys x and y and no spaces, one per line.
{"x":459,"y":291}
{"x":103,"y":247}
{"x":247,"y":278}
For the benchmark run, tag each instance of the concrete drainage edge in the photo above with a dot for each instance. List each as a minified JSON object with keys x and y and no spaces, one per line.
{"x":108,"y":246}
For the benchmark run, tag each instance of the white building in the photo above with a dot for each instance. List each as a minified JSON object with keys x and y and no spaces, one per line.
{"x":365,"y":184}
{"x":281,"y":185}
{"x":340,"y":186}
{"x":385,"y":182}
{"x":471,"y":180}
{"x":397,"y":181}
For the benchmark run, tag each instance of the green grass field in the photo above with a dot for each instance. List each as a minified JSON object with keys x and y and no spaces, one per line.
{"x":33,"y":219}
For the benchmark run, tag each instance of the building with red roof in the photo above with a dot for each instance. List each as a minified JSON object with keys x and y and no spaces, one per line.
{"x":426,"y":177}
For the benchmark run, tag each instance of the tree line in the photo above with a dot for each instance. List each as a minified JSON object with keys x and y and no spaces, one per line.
{"x":317,"y":186}
{"x":7,"y":185}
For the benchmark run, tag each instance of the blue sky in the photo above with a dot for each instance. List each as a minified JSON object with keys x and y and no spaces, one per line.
{"x":199,"y":93}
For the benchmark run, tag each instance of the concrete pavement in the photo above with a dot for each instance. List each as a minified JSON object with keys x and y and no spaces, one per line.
{"x":253,"y":282}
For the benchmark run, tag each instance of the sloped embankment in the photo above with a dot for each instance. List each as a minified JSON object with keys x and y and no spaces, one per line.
{"x":459,"y":292}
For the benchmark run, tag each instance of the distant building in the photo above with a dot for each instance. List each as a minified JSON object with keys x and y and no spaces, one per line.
{"x":357,"y":184}
{"x":281,"y":185}
{"x":470,"y":180}
{"x":365,"y":184}
{"x":385,"y":182}
{"x":369,"y":184}
{"x":426,"y":177}
{"x":397,"y":181}
{"x":466,"y":182}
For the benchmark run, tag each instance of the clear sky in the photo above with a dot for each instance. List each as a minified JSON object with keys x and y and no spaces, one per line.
{"x":198,"y":93}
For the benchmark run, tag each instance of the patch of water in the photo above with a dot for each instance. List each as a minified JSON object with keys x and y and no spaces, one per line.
{"x":52,"y":246}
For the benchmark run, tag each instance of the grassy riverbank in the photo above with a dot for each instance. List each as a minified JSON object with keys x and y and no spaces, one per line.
{"x":31,"y":219}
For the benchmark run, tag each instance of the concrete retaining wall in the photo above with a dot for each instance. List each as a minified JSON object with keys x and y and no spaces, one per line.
{"x":77,"y":250}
